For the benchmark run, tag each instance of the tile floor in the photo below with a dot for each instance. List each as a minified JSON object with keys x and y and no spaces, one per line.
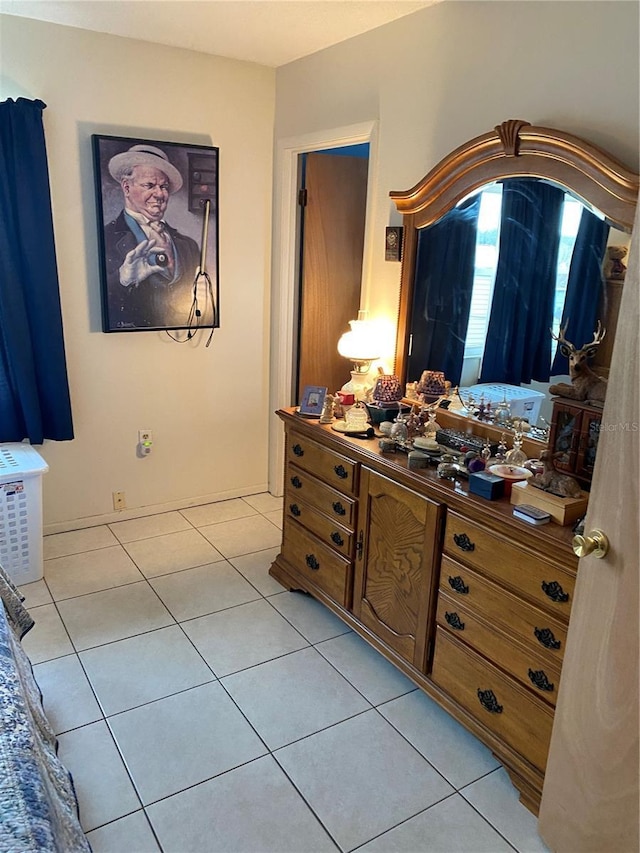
{"x":200,"y":707}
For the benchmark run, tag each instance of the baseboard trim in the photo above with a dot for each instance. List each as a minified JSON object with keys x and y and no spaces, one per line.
{"x":151,"y":509}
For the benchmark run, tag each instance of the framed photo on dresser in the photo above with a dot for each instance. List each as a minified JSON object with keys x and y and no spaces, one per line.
{"x":312,"y":401}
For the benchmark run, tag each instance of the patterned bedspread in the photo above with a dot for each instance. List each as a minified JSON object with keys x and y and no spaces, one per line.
{"x":38,"y":806}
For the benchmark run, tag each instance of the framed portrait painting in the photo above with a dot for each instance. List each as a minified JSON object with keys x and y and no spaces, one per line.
{"x":157,"y":205}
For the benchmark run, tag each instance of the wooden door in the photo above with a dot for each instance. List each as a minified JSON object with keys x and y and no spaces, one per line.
{"x":395,"y":571}
{"x":333,"y":243}
{"x":591,"y":792}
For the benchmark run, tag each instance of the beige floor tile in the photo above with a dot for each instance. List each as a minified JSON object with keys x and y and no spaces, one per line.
{"x":150,"y":525}
{"x":242,"y":636}
{"x":184,"y":739}
{"x":314,"y":621}
{"x":76,"y":541}
{"x":48,"y":638}
{"x":275,"y":518}
{"x":293,"y":696}
{"x":161,"y":555}
{"x":68,"y":698}
{"x":264,"y":502}
{"x":141,"y":669}
{"x":255,"y":567}
{"x":215,"y":513}
{"x":130,"y":834}
{"x":252,"y":808}
{"x":35,"y":594}
{"x":451,"y":826}
{"x":91,"y":571}
{"x":497,"y":800}
{"x":103,"y":787}
{"x":103,"y":617}
{"x":366,"y":669}
{"x":243,"y":536}
{"x":207,"y":589}
{"x":452,"y":750}
{"x":361,"y":778}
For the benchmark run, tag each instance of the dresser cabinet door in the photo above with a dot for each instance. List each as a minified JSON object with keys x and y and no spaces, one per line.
{"x":395,"y":567}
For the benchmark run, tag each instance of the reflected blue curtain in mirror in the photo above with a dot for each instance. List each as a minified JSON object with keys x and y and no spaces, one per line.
{"x":585,"y":286}
{"x":445,"y":265}
{"x":518,"y":347}
{"x":34,"y":391}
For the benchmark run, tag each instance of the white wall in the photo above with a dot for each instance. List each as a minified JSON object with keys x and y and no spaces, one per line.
{"x":441,"y":76}
{"x":207,"y":407}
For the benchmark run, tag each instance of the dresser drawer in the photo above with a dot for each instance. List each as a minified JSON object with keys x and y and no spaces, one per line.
{"x":301,"y":485}
{"x":535,"y":627}
{"x":525,"y":573}
{"x":334,"y":469}
{"x":330,"y":532}
{"x":321,"y":566}
{"x":535,"y":671}
{"x":505,"y":707}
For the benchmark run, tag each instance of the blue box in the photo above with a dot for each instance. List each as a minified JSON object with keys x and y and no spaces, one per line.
{"x":486,"y":485}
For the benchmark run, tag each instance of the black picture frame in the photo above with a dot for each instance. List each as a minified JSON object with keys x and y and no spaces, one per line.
{"x":144,"y":286}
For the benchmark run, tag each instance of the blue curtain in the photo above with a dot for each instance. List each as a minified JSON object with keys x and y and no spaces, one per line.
{"x":445,"y":265}
{"x":584,"y":286}
{"x":518,"y":347}
{"x":34,"y":391}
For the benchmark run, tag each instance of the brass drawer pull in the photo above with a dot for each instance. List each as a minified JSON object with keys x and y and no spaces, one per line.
{"x":335,"y":537}
{"x":454,"y":620}
{"x":458,"y":585}
{"x":488,"y":700}
{"x":295,"y":510}
{"x":338,"y":508}
{"x":296,"y":482}
{"x":463,"y":542}
{"x":546,"y":638}
{"x":539,"y":679}
{"x":341,"y":471}
{"x":555,"y":591}
{"x":312,"y":562}
{"x":297,"y":449}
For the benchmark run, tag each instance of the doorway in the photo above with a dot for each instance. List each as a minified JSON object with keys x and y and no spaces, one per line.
{"x":284,"y":280}
{"x":332,"y":201}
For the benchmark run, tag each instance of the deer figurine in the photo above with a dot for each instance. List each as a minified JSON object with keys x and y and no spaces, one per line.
{"x":586,"y":385}
{"x":553,"y":481}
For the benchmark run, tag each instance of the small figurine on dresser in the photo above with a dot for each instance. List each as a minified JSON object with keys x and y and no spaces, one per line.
{"x":326,"y":416}
{"x":553,"y":481}
{"x":586,"y":385}
{"x":612,"y":266}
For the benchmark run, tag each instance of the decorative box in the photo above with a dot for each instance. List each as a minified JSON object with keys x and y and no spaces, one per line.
{"x":562,"y":510}
{"x":486,"y":485}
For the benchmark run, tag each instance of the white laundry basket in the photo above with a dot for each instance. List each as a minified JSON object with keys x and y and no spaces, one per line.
{"x":524,"y":402}
{"x":21,"y":470}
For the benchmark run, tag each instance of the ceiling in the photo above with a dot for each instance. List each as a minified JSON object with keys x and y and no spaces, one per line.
{"x":269,"y":32}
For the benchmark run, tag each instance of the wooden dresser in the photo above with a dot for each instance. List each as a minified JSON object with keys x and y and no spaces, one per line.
{"x":469,"y":602}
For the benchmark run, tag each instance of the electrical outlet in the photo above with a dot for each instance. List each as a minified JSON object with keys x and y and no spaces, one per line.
{"x":144,"y":435}
{"x":119,"y":501}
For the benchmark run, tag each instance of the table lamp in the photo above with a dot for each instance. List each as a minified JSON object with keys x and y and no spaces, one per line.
{"x":360,"y":347}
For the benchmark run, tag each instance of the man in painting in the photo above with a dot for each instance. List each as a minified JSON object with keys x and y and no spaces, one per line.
{"x":150,"y":266}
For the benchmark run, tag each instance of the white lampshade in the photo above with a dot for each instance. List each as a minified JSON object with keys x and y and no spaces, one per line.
{"x":359,"y":345}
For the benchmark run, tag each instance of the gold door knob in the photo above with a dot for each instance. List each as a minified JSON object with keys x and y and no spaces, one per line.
{"x":595,"y":543}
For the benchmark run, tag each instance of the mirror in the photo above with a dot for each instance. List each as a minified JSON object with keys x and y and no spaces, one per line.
{"x":514,"y":154}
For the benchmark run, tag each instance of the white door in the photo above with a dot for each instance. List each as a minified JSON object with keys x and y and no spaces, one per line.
{"x":590,"y":801}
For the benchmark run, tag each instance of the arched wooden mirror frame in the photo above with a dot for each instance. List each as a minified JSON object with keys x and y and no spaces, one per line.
{"x":512,"y":149}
